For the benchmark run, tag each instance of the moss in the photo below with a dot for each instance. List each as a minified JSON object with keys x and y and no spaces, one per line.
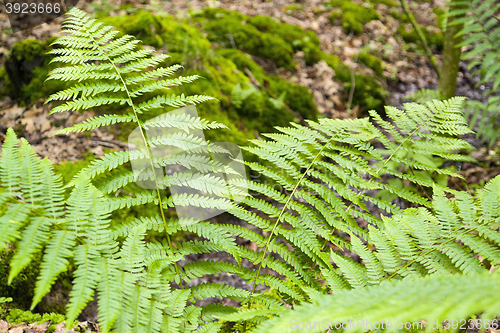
{"x":243,"y":61}
{"x":17,"y":316}
{"x":301,"y":40}
{"x":27,"y":68}
{"x":229,"y":31}
{"x":296,"y":96}
{"x":341,"y":70}
{"x":182,"y":41}
{"x":294,"y":7}
{"x":434,"y":39}
{"x":351,"y":15}
{"x":223,"y":69}
{"x":372,"y":62}
{"x":5,"y":83}
{"x":260,"y":36}
{"x":399,"y":15}
{"x":368,"y":93}
{"x":388,"y":3}
{"x":22,"y":287}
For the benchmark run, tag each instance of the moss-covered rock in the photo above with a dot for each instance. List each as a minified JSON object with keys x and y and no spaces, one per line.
{"x":351,"y":16}
{"x":368,"y":93}
{"x":184,"y":43}
{"x":301,"y":40}
{"x":230,"y":31}
{"x":22,"y":287}
{"x":388,"y":3}
{"x":260,"y":36}
{"x":224,"y":69}
{"x":5,"y":83}
{"x":297,"y":97}
{"x":27,"y":67}
{"x":342,"y":72}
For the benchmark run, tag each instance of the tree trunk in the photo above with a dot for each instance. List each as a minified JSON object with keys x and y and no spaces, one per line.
{"x":451,"y":56}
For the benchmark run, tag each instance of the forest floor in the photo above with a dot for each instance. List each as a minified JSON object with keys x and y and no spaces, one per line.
{"x":405,"y":72}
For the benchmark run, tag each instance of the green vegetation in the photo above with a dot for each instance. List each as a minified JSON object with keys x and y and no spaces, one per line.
{"x":27,"y":67}
{"x":22,"y":288}
{"x":329,"y":173}
{"x":372,"y":62}
{"x":16,"y":316}
{"x":351,"y":15}
{"x":223,"y":69}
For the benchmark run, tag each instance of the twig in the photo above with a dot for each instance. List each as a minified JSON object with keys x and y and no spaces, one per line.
{"x":353,"y":86}
{"x":420,"y":34}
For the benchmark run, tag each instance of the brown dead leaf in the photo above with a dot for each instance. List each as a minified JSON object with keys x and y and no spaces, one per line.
{"x":14,"y":112}
{"x":45,"y":126}
{"x":18,"y":329}
{"x":4,"y":326}
{"x":30,"y":125}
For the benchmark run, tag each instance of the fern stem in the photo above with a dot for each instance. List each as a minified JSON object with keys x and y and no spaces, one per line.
{"x":160,"y":203}
{"x":283,"y":212}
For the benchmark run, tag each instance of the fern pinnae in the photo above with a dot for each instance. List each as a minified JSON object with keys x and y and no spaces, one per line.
{"x":283,"y":210}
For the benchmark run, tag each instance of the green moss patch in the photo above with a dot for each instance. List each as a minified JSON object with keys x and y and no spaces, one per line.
{"x":224,"y":70}
{"x":351,"y":16}
{"x":368,"y":93}
{"x":372,"y":62}
{"x":26,"y":69}
{"x":260,"y":36}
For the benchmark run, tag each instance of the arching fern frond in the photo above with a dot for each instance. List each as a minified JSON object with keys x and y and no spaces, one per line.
{"x":439,"y":298}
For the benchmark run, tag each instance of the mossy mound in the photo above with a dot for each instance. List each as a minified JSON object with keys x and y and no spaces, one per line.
{"x":368,"y":93}
{"x":301,"y":40}
{"x":228,"y":30}
{"x":26,"y":69}
{"x":296,"y":96}
{"x":388,"y":3}
{"x":22,"y":287}
{"x":260,"y":36}
{"x":184,"y":43}
{"x":223,"y":71}
{"x":351,"y":16}
{"x":5,"y":84}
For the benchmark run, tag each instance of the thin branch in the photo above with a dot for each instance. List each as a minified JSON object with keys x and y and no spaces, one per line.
{"x":420,"y":34}
{"x":353,"y":85}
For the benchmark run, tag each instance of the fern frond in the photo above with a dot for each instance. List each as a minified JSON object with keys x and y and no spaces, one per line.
{"x":54,"y":262}
{"x":431,"y":297}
